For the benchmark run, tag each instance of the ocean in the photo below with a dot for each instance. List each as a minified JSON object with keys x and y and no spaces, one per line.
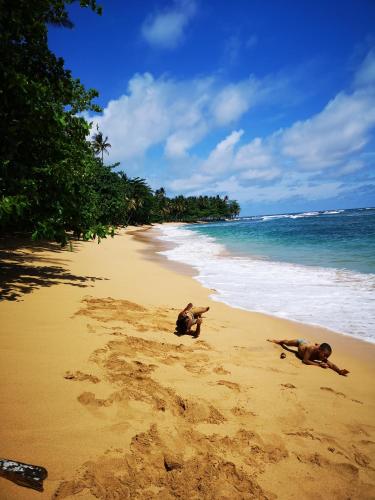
{"x":312,"y":267}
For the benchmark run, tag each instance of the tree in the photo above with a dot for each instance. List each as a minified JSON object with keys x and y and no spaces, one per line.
{"x":45,"y":159}
{"x":140,"y":200}
{"x":100,"y":144}
{"x":51,"y":183}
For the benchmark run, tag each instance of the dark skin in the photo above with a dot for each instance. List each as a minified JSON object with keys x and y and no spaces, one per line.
{"x":190,"y":321}
{"x":312,"y":354}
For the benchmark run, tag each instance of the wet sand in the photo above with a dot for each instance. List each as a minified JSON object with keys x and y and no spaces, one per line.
{"x":96,"y":387}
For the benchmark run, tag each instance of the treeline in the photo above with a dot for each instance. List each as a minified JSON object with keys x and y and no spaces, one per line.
{"x":53,"y":181}
{"x":193,"y":208}
{"x":120,"y":200}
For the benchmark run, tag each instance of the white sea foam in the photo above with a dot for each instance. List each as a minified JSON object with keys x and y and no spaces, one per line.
{"x":341,"y":300}
{"x":289,"y":216}
{"x":331,"y":212}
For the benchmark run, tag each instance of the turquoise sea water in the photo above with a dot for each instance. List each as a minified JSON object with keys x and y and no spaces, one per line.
{"x":342,"y":239}
{"x":313,"y":267}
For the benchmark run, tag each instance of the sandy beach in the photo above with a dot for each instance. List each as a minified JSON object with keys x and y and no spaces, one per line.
{"x":96,"y":387}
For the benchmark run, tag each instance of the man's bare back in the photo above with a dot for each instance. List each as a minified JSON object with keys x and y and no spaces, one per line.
{"x":312,"y":354}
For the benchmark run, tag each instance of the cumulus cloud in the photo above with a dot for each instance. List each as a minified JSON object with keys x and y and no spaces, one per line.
{"x":328,"y":138}
{"x":344,"y":127}
{"x":300,"y":156}
{"x":234,"y":100}
{"x":254,"y":155}
{"x":221,"y":158}
{"x":252,"y":161}
{"x":195,"y":181}
{"x":308,"y":158}
{"x":292,"y":187}
{"x":166,"y":29}
{"x":174,"y":114}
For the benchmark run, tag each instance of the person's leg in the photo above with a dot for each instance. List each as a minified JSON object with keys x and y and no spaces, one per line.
{"x":197,"y":311}
{"x":198,"y":327}
{"x":289,"y":343}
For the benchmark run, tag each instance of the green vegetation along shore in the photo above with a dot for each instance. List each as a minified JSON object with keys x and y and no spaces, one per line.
{"x":53,"y":181}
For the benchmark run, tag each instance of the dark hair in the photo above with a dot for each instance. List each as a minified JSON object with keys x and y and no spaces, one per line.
{"x":181,"y":324}
{"x":325,"y":347}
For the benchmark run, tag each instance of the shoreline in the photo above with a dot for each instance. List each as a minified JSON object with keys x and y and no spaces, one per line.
{"x":96,"y":388}
{"x":365,"y":348}
{"x":165,"y":245}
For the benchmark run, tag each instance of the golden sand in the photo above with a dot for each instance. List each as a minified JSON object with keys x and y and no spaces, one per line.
{"x":96,"y":387}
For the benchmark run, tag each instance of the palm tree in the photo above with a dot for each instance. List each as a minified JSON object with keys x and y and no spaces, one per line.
{"x":99,"y":143}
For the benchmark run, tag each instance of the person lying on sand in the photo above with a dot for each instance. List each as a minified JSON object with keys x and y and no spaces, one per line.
{"x":312,"y":354}
{"x":188,"y":317}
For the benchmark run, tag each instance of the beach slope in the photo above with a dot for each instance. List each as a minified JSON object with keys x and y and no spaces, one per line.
{"x":96,"y":387}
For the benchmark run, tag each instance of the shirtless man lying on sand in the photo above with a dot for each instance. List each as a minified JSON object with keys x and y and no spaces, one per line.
{"x":312,"y":354}
{"x":188,"y":317}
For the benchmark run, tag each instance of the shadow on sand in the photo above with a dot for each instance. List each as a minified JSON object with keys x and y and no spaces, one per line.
{"x":24,"y":268}
{"x":182,"y":334}
{"x":287,"y":348}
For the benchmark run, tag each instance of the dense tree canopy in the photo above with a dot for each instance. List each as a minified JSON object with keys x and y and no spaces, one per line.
{"x":51,"y":182}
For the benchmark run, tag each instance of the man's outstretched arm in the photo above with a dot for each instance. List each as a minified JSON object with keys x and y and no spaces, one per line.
{"x":337,"y":369}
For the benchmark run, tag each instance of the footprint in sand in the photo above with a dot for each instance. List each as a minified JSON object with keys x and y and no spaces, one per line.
{"x":89,"y":399}
{"x":341,"y":469}
{"x":288,"y":386}
{"x":220,"y":370}
{"x":360,"y":458}
{"x":305,"y":434}
{"x":240,"y":411}
{"x":329,"y":389}
{"x":79,"y":376}
{"x":231,"y":385}
{"x":194,"y":368}
{"x":341,"y":394}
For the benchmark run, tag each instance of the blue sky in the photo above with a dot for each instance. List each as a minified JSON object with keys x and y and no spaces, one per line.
{"x":270,"y":102}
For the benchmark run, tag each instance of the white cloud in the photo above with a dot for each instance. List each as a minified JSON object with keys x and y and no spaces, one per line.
{"x":305,"y":159}
{"x":234,"y":100}
{"x":221,"y":158}
{"x":351,"y":166}
{"x":343,"y":128}
{"x":268,"y":174}
{"x":166,"y":29}
{"x":329,"y":137}
{"x":254,"y":155}
{"x":299,"y":156}
{"x":366,"y":74}
{"x":253,"y":161}
{"x":195,"y":181}
{"x":138,"y":120}
{"x":174,"y":114}
{"x":276,"y":192}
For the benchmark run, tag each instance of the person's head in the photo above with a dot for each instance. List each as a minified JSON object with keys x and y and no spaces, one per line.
{"x":325,"y":351}
{"x":182,"y":324}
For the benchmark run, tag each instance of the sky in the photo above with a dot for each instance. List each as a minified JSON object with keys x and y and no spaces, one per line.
{"x":269,"y":102}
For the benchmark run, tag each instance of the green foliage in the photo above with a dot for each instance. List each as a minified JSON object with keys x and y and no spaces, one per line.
{"x":193,"y":208}
{"x":99,"y":144}
{"x":44,"y":156}
{"x":52,"y":185}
